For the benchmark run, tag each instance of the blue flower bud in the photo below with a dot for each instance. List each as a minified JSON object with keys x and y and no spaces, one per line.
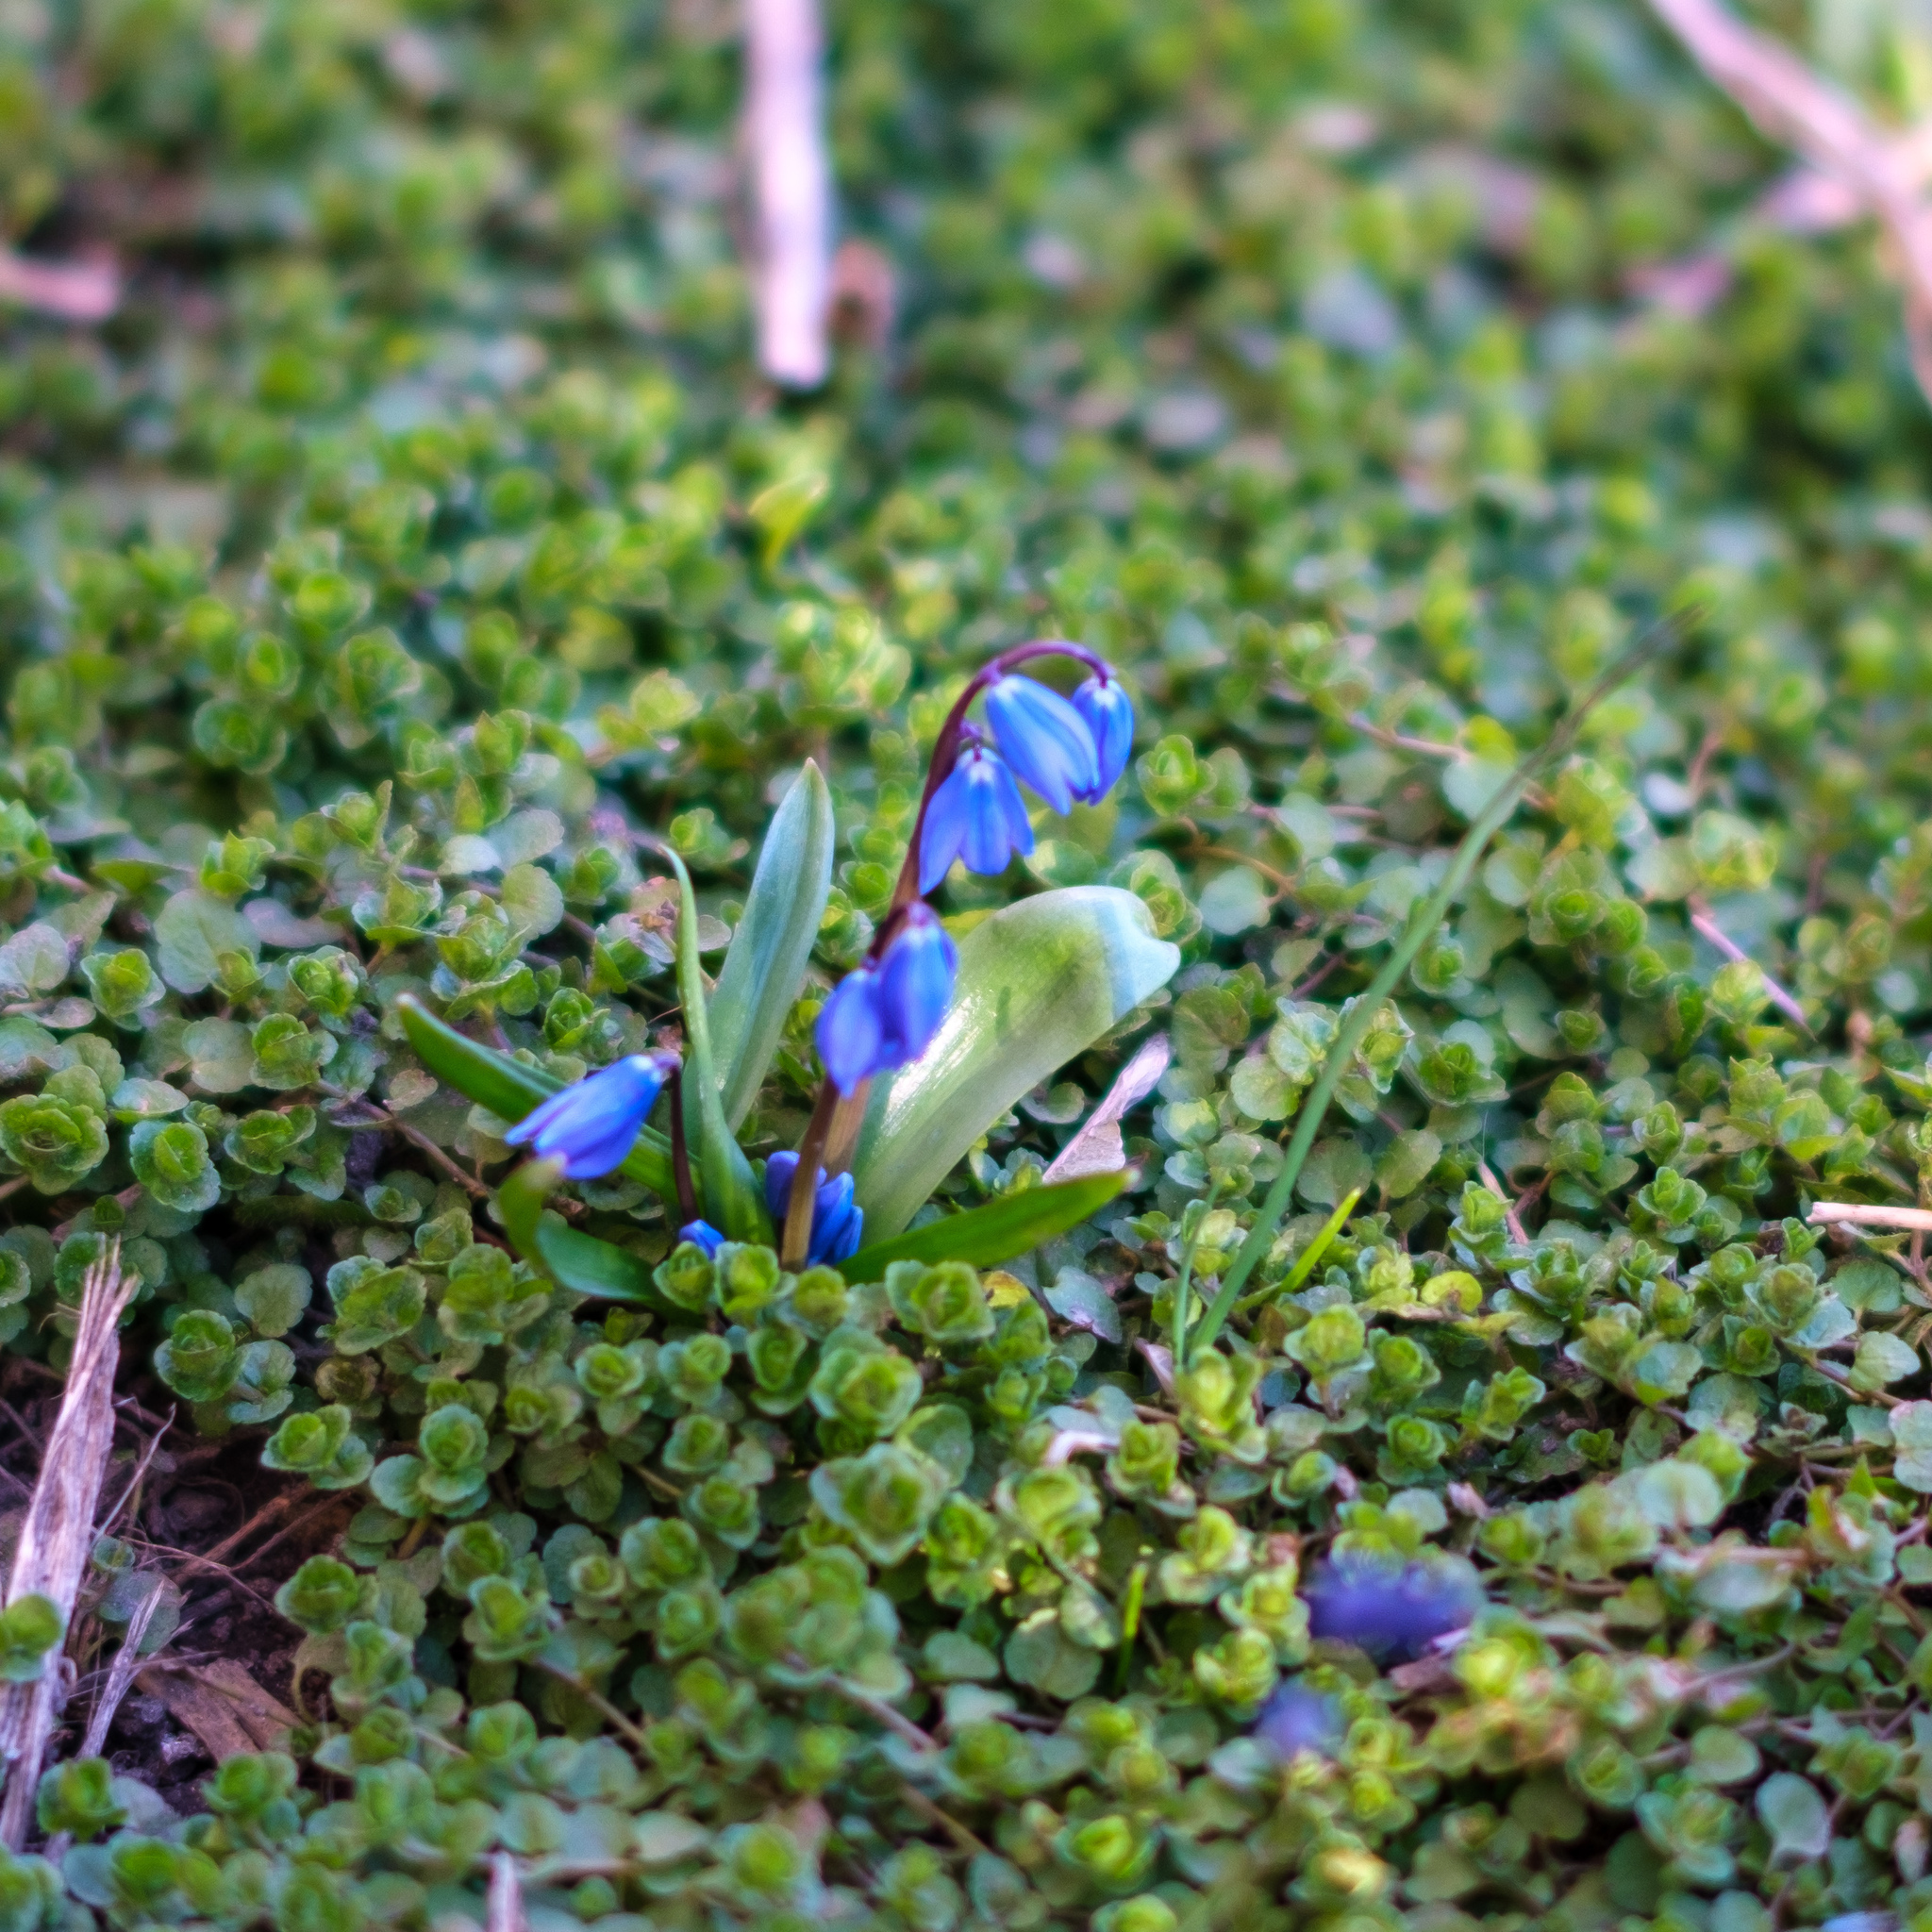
{"x":1296,"y":1719}
{"x":851,"y":1030}
{"x":837,"y":1220}
{"x":977,"y":815}
{"x":703,"y":1234}
{"x":915,"y":987}
{"x":1108,"y":714}
{"x":1382,"y":1610}
{"x":589,"y":1128}
{"x":1044,"y":740}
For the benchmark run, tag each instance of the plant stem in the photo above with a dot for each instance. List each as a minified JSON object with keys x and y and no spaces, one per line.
{"x":681,"y":1153}
{"x":1304,"y":1264}
{"x":1184,"y":1287}
{"x":1421,"y":927}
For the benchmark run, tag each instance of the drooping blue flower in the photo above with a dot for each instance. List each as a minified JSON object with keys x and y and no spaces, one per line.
{"x":589,"y":1128}
{"x":1044,"y":739}
{"x":837,"y":1220}
{"x":852,"y":1031}
{"x":1386,"y":1610}
{"x":977,"y":814}
{"x":1108,"y":714}
{"x":1297,"y":1718}
{"x":915,"y":983}
{"x":884,"y":1014}
{"x":703,"y":1234}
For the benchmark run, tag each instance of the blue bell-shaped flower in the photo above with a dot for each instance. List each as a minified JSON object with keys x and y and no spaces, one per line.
{"x":1044,"y":740}
{"x":1109,"y":715}
{"x":851,"y":1032}
{"x":703,"y":1234}
{"x":915,"y":983}
{"x":589,"y":1128}
{"x":977,"y":815}
{"x":836,"y":1222}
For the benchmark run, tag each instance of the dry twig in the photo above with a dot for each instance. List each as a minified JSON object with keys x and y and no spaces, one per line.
{"x":57,"y":1532}
{"x":1791,"y":104}
{"x":792,"y":185}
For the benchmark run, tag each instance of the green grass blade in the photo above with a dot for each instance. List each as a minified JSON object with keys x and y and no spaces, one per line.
{"x":766,"y":963}
{"x":1421,"y":927}
{"x":1013,"y":1225}
{"x":731,"y":1200}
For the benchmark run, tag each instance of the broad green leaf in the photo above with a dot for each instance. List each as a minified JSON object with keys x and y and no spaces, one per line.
{"x":509,"y":1088}
{"x":579,"y":1262}
{"x":732,"y":1203}
{"x":1012,"y":1224}
{"x":1038,"y":983}
{"x":773,"y":944}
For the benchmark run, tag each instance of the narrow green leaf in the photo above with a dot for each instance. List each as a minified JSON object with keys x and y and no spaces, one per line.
{"x":586,"y":1266}
{"x":579,"y":1262}
{"x":766,"y":964}
{"x":1012,"y":1224}
{"x":1421,"y":924}
{"x":1038,"y":983}
{"x":731,"y":1200}
{"x":520,"y":1205}
{"x":509,"y":1088}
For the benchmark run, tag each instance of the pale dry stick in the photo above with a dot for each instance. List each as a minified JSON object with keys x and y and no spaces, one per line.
{"x":504,"y":1912}
{"x":1791,"y":104}
{"x":1098,"y":1148}
{"x":1863,"y":1214}
{"x":1787,"y":1003}
{"x":73,"y":290}
{"x":127,"y":1659}
{"x":792,"y":187}
{"x":135,"y":1481}
{"x":1511,"y":1218}
{"x":57,"y":1532}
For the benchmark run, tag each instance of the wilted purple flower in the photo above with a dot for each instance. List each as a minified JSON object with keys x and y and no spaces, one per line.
{"x":1296,"y":1719}
{"x":1391,"y":1611}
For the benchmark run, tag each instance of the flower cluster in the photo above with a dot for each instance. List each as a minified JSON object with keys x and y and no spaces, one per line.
{"x":885,"y":1014}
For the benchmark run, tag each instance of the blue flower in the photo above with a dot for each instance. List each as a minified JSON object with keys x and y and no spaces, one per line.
{"x":1045,"y":740}
{"x":915,"y":983}
{"x":837,"y":1220}
{"x":701,"y":1234}
{"x":976,"y":815}
{"x":852,"y":1030}
{"x":1108,"y":714}
{"x":1381,"y":1610}
{"x":885,"y":1014}
{"x":1296,"y":1719}
{"x":589,"y":1128}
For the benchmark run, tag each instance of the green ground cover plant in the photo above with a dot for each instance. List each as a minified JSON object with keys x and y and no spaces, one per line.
{"x":411,"y":586}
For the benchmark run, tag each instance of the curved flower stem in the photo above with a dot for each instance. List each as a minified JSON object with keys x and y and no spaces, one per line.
{"x":794,"y":1240}
{"x":945,"y":753}
{"x":1421,"y":924}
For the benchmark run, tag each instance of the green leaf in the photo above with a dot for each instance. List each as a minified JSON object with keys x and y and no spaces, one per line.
{"x":1012,"y":1224}
{"x":509,"y":1088}
{"x":731,"y":1199}
{"x":579,"y":1262}
{"x":192,"y":931}
{"x":1038,"y":983}
{"x":773,"y":944}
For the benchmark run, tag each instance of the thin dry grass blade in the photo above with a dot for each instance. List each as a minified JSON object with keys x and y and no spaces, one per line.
{"x":58,"y":1534}
{"x":128,"y":1660}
